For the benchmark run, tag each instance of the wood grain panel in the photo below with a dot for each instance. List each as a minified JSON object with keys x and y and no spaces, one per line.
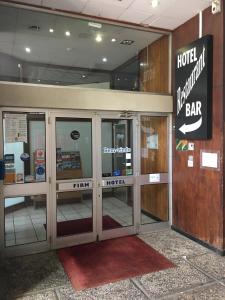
{"x":154,"y":160}
{"x":198,"y":204}
{"x":154,"y":200}
{"x":154,"y":61}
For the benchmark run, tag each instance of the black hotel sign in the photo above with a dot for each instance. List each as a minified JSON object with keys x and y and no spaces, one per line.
{"x":193,"y":88}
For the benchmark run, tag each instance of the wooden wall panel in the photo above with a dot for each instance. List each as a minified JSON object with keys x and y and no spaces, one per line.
{"x":154,"y":61}
{"x":198,"y":202}
{"x":154,"y":200}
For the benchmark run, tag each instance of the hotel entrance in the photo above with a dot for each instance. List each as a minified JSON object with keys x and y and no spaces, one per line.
{"x":93,"y":184}
{"x":77,"y":177}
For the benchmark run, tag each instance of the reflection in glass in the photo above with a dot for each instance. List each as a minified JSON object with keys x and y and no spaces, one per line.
{"x":117,"y":148}
{"x":74,"y":213}
{"x":49,"y":56}
{"x":73,"y":148}
{"x":117,"y":204}
{"x":154,"y":203}
{"x":154,"y":150}
{"x":24,"y":147}
{"x":25,"y":220}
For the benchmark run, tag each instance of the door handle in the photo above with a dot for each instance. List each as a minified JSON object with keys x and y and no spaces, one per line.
{"x":2,"y":169}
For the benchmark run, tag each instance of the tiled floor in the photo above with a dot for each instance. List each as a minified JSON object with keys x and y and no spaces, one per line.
{"x":27,"y":225}
{"x":199,"y":275}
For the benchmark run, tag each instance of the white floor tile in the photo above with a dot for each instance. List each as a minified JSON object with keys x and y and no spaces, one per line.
{"x":19,"y":228}
{"x":29,"y":233}
{"x":21,"y":241}
{"x":10,"y":243}
{"x":9,"y":236}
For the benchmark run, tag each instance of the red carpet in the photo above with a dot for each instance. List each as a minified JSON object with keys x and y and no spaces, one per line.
{"x":83,"y":225}
{"x":99,"y":263}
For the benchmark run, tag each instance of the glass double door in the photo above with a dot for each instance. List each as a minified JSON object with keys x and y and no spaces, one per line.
{"x":93,"y":177}
{"x":78,"y":177}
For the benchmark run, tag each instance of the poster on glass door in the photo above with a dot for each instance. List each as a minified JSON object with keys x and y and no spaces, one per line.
{"x":15,"y":128}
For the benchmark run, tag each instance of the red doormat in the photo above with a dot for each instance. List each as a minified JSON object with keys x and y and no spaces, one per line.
{"x":83,"y":225}
{"x":103,"y":262}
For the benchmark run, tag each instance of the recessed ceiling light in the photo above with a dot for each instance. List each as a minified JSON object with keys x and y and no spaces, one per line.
{"x":51,"y":30}
{"x":67,"y":33}
{"x":19,"y":66}
{"x":83,"y":76}
{"x":68,"y":49}
{"x":113,"y":40}
{"x":95,"y":25}
{"x":155,"y":3}
{"x":34,"y":27}
{"x":104,"y":59}
{"x":98,"y":38}
{"x":127,"y":42}
{"x":39,"y":80}
{"x":28,"y":50}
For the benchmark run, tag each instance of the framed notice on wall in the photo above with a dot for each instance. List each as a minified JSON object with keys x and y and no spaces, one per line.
{"x":193,"y":90}
{"x":210,"y":160}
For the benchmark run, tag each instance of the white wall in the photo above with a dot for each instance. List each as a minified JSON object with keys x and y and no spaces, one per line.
{"x":28,"y":95}
{"x":101,"y":85}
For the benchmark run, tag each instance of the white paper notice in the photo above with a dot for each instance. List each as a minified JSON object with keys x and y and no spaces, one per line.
{"x":210,"y":160}
{"x":154,"y":178}
{"x":153,"y":141}
{"x":15,"y":128}
{"x":190,"y":161}
{"x":128,"y":155}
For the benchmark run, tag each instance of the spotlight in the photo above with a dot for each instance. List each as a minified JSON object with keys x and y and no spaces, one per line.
{"x":98,"y":38}
{"x":155,"y":3}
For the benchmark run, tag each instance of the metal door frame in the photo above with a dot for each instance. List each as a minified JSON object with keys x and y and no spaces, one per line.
{"x":52,"y":241}
{"x":123,"y":231}
{"x":165,"y":178}
{"x":84,"y":237}
{"x":25,"y":189}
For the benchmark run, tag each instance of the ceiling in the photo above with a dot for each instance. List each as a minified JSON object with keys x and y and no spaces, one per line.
{"x":168,"y":15}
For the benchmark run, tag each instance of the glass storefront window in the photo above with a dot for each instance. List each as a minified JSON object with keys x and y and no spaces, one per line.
{"x":74,"y":213}
{"x":73,"y":148}
{"x":24,"y":147}
{"x":117,"y":205}
{"x":117,"y":148}
{"x":25,"y":220}
{"x":43,"y":48}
